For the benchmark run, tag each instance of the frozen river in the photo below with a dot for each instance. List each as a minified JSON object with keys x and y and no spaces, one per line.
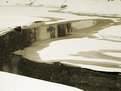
{"x":80,"y":50}
{"x":97,"y":48}
{"x":101,"y":52}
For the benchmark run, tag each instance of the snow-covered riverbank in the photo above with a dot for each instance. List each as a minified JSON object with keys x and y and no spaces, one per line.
{"x":11,"y":17}
{"x":91,"y":7}
{"x":12,"y":82}
{"x":95,"y":7}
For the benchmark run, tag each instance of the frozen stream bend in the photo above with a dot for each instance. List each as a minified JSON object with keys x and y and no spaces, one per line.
{"x":81,"y":49}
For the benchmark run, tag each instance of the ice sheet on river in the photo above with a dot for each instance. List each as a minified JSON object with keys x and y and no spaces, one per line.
{"x":110,"y":33}
{"x":84,"y":51}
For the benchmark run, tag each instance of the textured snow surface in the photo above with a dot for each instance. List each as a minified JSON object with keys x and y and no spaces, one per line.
{"x":12,"y":82}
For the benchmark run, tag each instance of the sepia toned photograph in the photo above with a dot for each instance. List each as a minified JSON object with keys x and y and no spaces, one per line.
{"x":60,"y":45}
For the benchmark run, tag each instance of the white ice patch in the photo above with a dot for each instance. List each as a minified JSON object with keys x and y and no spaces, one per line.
{"x":112,"y":33}
{"x":63,"y":49}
